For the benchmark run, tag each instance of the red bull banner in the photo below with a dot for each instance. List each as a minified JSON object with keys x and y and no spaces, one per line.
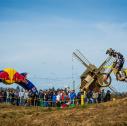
{"x":10,"y":76}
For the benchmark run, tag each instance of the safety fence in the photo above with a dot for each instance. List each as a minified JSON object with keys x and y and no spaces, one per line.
{"x":42,"y":102}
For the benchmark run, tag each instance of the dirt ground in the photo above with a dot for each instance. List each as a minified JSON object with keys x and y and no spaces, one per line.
{"x":112,"y":113}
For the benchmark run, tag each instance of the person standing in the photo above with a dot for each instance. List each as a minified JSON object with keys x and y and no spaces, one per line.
{"x":54,"y":99}
{"x":21,"y":94}
{"x":26,"y":96}
{"x":58,"y":97}
{"x":16,"y":95}
{"x":99,"y":97}
{"x":108,"y":96}
{"x":7,"y":97}
{"x":95,"y":96}
{"x":102,"y":95}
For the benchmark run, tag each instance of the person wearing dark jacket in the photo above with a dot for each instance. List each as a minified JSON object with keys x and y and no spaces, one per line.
{"x":107,"y":96}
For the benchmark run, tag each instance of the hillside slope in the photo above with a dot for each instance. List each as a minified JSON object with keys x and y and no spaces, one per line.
{"x":112,"y":113}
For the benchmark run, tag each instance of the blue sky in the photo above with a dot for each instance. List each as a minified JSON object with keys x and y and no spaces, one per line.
{"x":39,"y":36}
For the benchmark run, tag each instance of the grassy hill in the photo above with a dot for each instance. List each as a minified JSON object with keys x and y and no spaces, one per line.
{"x":112,"y":113}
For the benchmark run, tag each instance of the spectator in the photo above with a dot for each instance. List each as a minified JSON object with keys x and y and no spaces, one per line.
{"x":46,"y":99}
{"x":89,"y":96}
{"x":108,"y":96}
{"x":7,"y":96}
{"x":26,"y":100}
{"x":99,"y":97}
{"x":79,"y":98}
{"x":95,"y":96}
{"x":1,"y":96}
{"x":54,"y":100}
{"x":21,"y":97}
{"x":58,"y":97}
{"x":16,"y":97}
{"x":72,"y":96}
{"x":50,"y":95}
{"x":4,"y":95}
{"x":102,"y":95}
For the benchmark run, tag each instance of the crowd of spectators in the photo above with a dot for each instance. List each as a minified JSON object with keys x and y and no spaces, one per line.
{"x":51,"y":97}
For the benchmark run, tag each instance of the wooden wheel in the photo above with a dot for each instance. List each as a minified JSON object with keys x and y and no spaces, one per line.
{"x":104,"y":80}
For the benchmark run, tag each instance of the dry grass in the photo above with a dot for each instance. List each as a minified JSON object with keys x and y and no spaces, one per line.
{"x":112,"y":113}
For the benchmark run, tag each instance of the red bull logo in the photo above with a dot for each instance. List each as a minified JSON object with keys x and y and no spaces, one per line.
{"x":19,"y":78}
{"x":10,"y":76}
{"x":4,"y":75}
